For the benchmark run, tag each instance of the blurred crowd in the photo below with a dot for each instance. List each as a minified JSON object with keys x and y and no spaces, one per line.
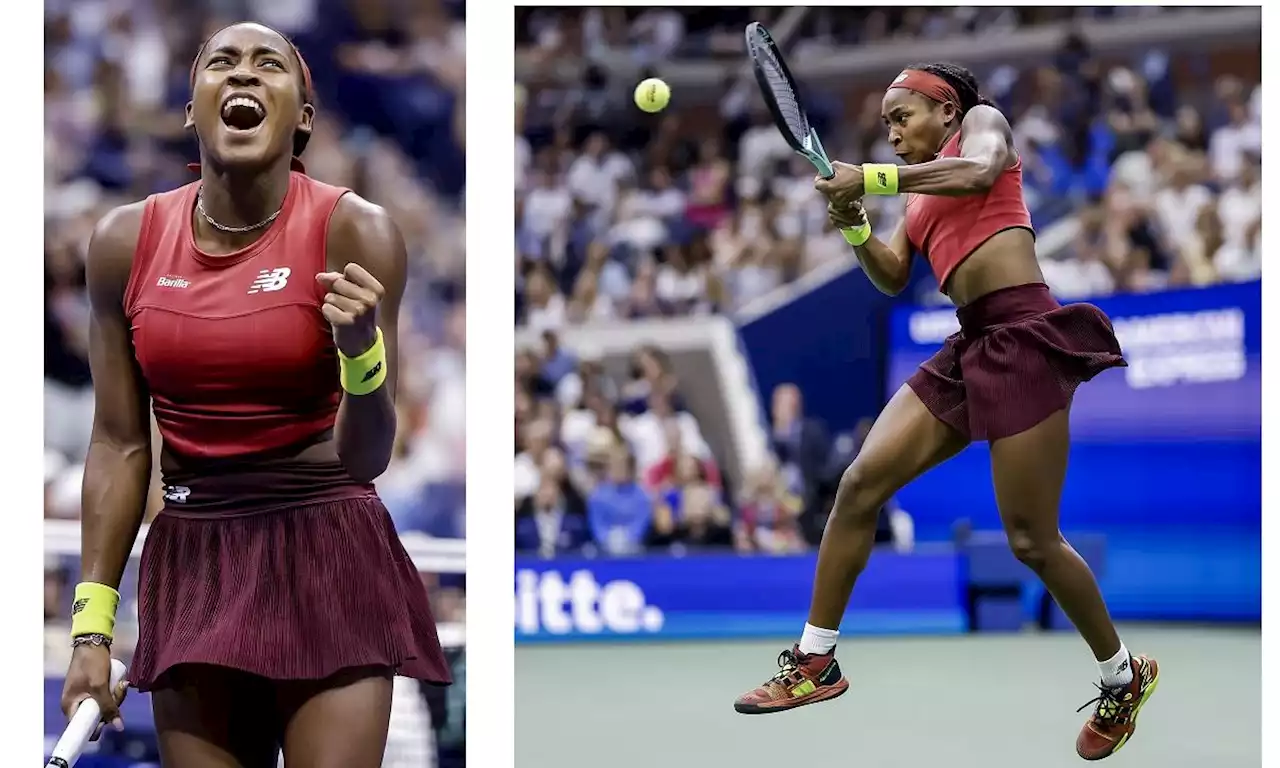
{"x":617,"y":465}
{"x":621,"y":216}
{"x":389,"y":77}
{"x":1145,"y":181}
{"x":1167,"y":190}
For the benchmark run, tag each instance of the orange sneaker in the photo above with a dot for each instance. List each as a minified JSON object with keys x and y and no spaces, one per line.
{"x":1116,"y":715}
{"x":802,"y":679}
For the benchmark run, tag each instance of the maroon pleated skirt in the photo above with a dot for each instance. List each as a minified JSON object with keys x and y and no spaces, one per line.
{"x":1017,"y":359}
{"x":290,"y":594}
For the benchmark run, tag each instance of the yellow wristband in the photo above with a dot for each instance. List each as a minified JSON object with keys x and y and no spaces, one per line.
{"x":880,"y":178}
{"x":857,"y":236}
{"x":94,"y":610}
{"x":364,"y":374}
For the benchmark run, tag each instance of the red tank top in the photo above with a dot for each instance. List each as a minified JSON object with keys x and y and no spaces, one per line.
{"x":235,"y":353}
{"x":947,"y":229}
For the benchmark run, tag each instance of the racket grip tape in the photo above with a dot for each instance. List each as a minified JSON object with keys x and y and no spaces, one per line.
{"x":857,"y":236}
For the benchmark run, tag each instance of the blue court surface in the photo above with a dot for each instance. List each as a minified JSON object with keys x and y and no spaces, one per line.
{"x":972,"y":701}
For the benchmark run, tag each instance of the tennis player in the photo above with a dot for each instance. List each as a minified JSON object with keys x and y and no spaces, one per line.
{"x":255,"y":311}
{"x":1007,"y":377}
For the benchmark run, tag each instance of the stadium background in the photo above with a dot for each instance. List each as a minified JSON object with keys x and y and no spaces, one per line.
{"x":390,"y":77}
{"x":692,"y":336}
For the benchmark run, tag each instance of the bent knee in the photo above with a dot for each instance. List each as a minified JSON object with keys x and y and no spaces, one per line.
{"x":859,"y":497}
{"x":1033,"y":550}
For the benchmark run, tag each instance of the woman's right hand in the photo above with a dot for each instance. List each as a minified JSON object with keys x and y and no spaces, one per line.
{"x":89,"y":677}
{"x":850,"y":216}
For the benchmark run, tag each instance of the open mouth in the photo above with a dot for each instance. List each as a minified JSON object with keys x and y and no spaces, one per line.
{"x":243,"y":113}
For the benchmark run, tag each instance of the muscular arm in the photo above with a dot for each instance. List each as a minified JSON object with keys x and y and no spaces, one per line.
{"x":363,"y":233}
{"x":986,"y":150}
{"x":118,"y":467}
{"x":887,"y":266}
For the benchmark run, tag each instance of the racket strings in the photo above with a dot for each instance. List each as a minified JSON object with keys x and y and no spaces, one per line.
{"x":785,"y":97}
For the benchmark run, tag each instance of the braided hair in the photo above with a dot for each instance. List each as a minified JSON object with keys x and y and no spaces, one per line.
{"x":960,"y":78}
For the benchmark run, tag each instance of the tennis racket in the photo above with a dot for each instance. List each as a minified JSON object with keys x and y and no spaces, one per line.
{"x":779,"y":90}
{"x":83,"y":723}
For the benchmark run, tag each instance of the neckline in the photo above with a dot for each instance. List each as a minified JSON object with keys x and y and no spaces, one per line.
{"x":222,"y":260}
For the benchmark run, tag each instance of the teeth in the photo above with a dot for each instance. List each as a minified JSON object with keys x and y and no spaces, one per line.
{"x":241,"y":101}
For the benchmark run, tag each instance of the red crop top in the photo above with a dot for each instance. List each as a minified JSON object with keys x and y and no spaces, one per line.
{"x":235,"y":352}
{"x":947,"y":229}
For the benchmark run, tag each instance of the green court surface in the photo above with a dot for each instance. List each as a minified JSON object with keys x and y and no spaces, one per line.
{"x":974,"y":701}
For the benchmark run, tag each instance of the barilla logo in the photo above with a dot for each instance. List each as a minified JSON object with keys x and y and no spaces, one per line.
{"x":545,"y":602}
{"x":172,"y":282}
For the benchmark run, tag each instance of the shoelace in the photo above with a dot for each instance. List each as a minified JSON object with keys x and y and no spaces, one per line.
{"x":1110,"y":708}
{"x":788,"y":664}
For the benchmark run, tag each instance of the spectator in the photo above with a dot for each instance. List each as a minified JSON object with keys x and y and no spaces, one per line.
{"x":619,"y":510}
{"x":692,"y":512}
{"x":545,"y":305}
{"x":537,"y":438}
{"x":1233,"y":143}
{"x":769,"y":513}
{"x":661,"y":475}
{"x":551,"y":522}
{"x":556,"y":362}
{"x":647,"y":431}
{"x":800,"y":443}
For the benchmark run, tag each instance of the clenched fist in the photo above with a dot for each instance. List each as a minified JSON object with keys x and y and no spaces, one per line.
{"x":351,"y":307}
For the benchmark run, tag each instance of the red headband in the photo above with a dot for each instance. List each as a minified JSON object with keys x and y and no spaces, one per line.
{"x":295,"y":163}
{"x":927,"y":84}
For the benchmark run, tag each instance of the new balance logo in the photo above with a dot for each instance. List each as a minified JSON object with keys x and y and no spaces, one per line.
{"x":1123,"y":666}
{"x":78,"y":605}
{"x":177,"y":493}
{"x":172,"y":282}
{"x":271,"y":280}
{"x":372,"y":372}
{"x":882,"y":178}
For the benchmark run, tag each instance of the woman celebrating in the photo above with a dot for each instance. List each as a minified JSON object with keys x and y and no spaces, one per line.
{"x":255,"y":310}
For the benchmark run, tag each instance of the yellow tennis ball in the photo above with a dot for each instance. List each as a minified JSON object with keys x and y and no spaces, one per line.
{"x":652,"y":95}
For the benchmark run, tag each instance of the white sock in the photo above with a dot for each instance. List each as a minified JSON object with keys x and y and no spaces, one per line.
{"x":1117,"y":670}
{"x":817,"y":640}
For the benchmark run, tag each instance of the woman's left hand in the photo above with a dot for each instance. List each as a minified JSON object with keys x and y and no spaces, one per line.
{"x":845,"y":187}
{"x":351,"y":307}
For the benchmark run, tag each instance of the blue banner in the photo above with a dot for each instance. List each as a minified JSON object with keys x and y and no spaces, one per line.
{"x":844,"y":319}
{"x":1173,"y":440}
{"x":722,"y":596}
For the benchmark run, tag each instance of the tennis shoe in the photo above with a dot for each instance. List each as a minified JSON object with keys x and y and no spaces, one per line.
{"x":801,"y":679}
{"x":1115,"y":715}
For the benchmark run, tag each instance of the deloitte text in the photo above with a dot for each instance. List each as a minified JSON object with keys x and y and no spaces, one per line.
{"x":546,"y":603}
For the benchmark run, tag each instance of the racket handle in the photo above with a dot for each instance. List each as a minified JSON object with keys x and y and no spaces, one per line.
{"x":82,"y":725}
